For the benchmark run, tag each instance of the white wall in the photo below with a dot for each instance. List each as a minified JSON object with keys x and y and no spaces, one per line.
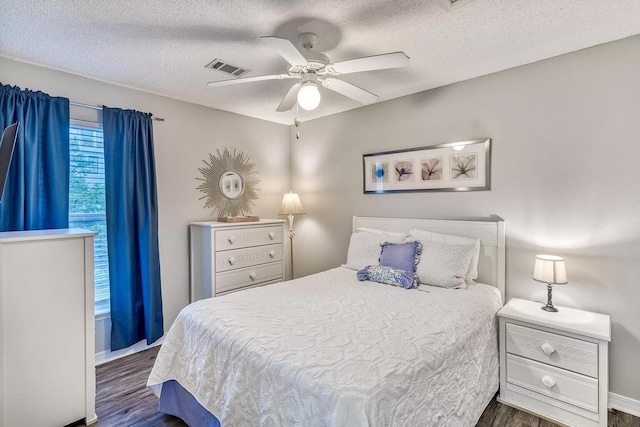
{"x":566,"y":147}
{"x":189,"y":133}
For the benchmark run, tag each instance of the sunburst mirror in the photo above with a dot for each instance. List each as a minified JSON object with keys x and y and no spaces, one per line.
{"x":229,"y":183}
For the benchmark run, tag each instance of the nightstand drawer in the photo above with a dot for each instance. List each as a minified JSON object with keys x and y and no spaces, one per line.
{"x":243,"y":238}
{"x":557,"y":350}
{"x":240,"y":278}
{"x":575,"y":389}
{"x":230,"y":260}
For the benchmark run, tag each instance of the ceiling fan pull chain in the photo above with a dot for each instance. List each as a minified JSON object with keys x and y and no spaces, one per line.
{"x":297,"y":122}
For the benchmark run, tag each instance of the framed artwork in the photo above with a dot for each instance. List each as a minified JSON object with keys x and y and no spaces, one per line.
{"x":455,"y":166}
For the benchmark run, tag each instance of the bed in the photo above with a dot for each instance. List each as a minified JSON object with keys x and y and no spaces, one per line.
{"x":330,"y":350}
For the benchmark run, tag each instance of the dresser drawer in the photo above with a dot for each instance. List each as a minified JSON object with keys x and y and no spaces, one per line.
{"x":239,"y":258}
{"x":243,"y":238}
{"x":239,"y":278}
{"x":557,"y":350}
{"x":569,"y":387}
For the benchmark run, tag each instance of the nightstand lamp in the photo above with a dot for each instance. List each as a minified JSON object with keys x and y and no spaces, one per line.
{"x":291,"y":206}
{"x":550,"y":269}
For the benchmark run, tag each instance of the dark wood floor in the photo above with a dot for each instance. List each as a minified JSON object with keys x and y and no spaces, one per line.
{"x":123,"y":400}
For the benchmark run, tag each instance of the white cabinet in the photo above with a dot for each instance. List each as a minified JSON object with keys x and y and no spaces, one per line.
{"x":555,"y":364}
{"x":227,"y":257}
{"x":47,"y":374}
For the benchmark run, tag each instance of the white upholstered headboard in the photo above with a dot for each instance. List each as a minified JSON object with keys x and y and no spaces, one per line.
{"x":491,"y":266}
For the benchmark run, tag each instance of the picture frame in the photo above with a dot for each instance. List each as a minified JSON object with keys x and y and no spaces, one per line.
{"x":454,"y":166}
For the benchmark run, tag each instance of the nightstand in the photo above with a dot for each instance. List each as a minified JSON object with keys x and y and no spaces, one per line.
{"x":555,"y":365}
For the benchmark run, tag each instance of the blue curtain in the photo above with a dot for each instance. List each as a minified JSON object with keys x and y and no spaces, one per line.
{"x":132,"y":228}
{"x":36,"y":193}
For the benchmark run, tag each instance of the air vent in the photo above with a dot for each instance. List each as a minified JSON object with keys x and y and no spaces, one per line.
{"x":227,"y":68}
{"x":450,"y":5}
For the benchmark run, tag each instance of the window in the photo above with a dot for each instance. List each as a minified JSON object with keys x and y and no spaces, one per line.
{"x":87,"y":208}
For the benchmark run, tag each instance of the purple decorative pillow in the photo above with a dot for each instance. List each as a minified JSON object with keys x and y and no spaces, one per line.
{"x":403,"y":256}
{"x":388,"y":275}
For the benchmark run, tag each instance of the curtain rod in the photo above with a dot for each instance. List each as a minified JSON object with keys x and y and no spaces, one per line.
{"x":99,"y":107}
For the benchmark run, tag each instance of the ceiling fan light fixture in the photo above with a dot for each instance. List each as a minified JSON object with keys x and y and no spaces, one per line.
{"x":309,"y":96}
{"x":312,"y":69}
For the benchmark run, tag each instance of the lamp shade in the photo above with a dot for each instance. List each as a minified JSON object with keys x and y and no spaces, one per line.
{"x":550,"y":269}
{"x":291,"y":205}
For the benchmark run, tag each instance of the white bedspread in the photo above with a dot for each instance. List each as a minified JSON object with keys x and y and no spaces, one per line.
{"x":328,"y":350}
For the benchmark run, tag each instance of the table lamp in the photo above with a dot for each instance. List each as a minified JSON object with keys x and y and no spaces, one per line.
{"x":550,"y":269}
{"x":291,"y":206}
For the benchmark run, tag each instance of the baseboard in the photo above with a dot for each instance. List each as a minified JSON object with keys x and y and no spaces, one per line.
{"x":108,"y":356}
{"x":624,"y":404}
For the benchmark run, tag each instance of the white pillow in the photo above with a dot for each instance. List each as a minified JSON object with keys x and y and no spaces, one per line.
{"x":364,"y":248}
{"x":382,"y":232}
{"x":444,"y":265}
{"x":448,"y":239}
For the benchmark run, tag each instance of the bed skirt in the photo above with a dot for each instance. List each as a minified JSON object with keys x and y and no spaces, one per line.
{"x":176,"y":401}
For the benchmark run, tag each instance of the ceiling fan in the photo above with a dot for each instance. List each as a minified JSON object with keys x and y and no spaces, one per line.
{"x":312,"y":68}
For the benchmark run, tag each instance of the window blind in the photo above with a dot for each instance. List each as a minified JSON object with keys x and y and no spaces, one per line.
{"x":87,"y":208}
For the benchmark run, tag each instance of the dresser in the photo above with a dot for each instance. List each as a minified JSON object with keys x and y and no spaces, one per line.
{"x":555,"y":365}
{"x":47,"y":343}
{"x":228,"y":257}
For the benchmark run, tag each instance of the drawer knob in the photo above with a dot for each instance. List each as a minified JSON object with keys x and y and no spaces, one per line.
{"x":547,"y":348}
{"x":272,"y":235}
{"x":232,"y":260}
{"x":253,"y":275}
{"x":232,"y":239}
{"x":548,"y":381}
{"x":272,"y":254}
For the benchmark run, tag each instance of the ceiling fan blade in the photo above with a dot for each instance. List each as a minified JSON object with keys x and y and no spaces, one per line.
{"x":371,"y":63}
{"x":349,"y":90}
{"x":289,"y":99}
{"x":251,"y":79}
{"x":286,"y":49}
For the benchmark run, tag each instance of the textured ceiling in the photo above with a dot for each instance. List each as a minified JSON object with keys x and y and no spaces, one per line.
{"x":162,"y":46}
